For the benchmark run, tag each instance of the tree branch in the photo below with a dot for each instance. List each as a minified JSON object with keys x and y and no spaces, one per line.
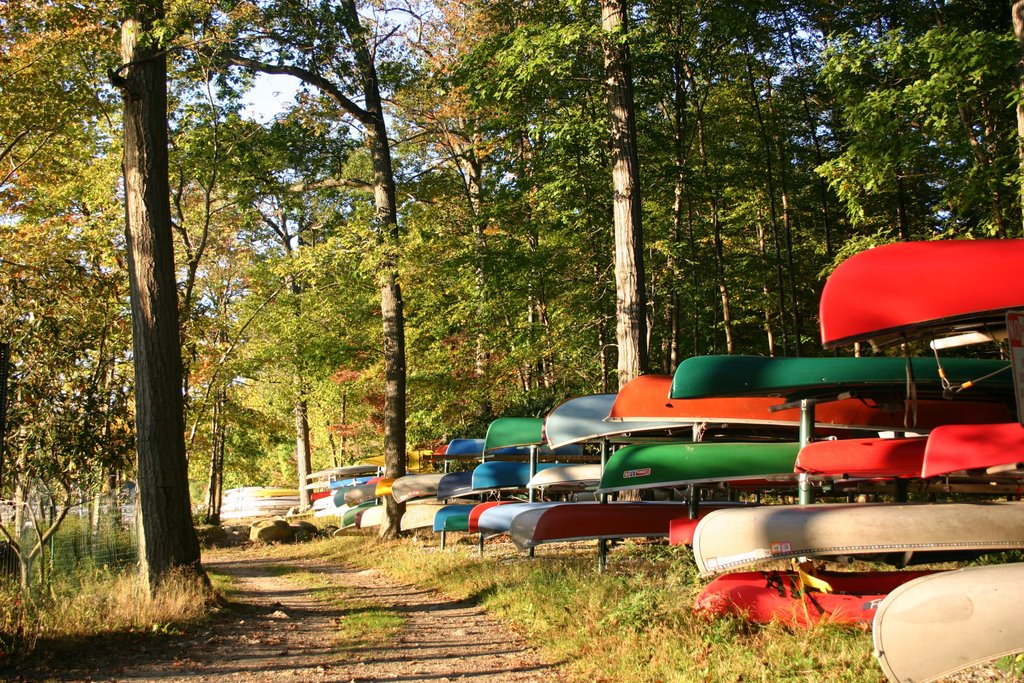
{"x":306,"y":76}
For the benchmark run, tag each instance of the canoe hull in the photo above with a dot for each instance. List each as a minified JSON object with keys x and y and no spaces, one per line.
{"x":499,"y":518}
{"x":566,"y":477}
{"x":709,"y":376}
{"x":936,"y":625}
{"x":589,"y":521}
{"x":414,"y":486}
{"x":980,"y":283}
{"x":956,"y":448}
{"x":729,"y":539}
{"x":863,"y":458}
{"x":644,"y":466}
{"x":455,"y":484}
{"x":453,"y":517}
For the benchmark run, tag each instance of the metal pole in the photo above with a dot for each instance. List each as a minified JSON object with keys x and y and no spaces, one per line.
{"x":602,"y":543}
{"x":444,"y":538}
{"x":806,"y":493}
{"x":694,"y":501}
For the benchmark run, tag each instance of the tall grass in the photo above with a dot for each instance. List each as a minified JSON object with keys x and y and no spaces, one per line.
{"x":96,"y":601}
{"x":634,"y":622}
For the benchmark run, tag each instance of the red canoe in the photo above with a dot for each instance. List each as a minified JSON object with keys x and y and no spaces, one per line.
{"x":863,"y":458}
{"x":763,"y":597}
{"x":910,"y":289}
{"x":998,"y":448}
{"x":646,"y":398}
{"x":586,"y":521}
{"x":474,"y":514}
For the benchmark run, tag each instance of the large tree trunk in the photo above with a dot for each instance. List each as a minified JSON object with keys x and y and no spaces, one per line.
{"x":303,"y":457}
{"x":167,"y":538}
{"x":390,"y":291}
{"x":630,"y":296}
{"x":1018,"y":30}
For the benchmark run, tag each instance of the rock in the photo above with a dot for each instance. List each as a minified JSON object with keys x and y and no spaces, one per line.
{"x":305,"y":531}
{"x":272,"y":531}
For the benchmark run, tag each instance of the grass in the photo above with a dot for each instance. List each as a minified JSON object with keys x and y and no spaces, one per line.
{"x":93,"y":602}
{"x":633,"y":622}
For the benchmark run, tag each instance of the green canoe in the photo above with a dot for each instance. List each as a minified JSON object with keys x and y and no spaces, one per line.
{"x":665,"y":465}
{"x":709,"y":376}
{"x":349,"y":517}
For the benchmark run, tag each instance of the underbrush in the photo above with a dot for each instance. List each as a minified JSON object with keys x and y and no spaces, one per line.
{"x":92,"y":602}
{"x":633,"y":622}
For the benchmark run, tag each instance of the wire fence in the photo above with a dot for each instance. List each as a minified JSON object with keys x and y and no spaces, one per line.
{"x":97,"y":533}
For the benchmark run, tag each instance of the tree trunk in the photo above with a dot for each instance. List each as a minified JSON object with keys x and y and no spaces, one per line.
{"x":167,"y":537}
{"x":630,"y":295}
{"x":302,"y":455}
{"x":1018,"y":31}
{"x":5,"y":357}
{"x":390,"y":292}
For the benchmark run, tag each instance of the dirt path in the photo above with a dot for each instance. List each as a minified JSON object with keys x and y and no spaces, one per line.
{"x":277,"y":629}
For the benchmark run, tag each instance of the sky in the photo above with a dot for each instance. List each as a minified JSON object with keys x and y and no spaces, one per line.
{"x":269,"y":96}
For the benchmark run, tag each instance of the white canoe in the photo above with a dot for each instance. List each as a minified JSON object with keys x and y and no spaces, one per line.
{"x":572,"y":477}
{"x":935,"y":625}
{"x":725,"y":540}
{"x":499,"y":518}
{"x":419,"y":515}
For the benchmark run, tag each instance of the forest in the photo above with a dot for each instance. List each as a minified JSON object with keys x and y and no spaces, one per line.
{"x":773,"y":139}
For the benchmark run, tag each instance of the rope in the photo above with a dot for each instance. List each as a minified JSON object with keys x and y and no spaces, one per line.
{"x":949,"y":389}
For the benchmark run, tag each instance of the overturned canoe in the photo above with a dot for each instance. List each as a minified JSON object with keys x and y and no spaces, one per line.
{"x":582,"y":419}
{"x":728,"y":539}
{"x":478,"y":509}
{"x":419,"y":515}
{"x":646,"y":398}
{"x":413,"y":486}
{"x":965,"y":448}
{"x":336,"y":484}
{"x":863,"y":458}
{"x":370,"y":517}
{"x":782,"y":596}
{"x":677,"y":464}
{"x":936,"y":625}
{"x":498,"y":519}
{"x":891,"y":293}
{"x":710,"y":376}
{"x":355,"y":495}
{"x":454,"y":484}
{"x":350,"y":515}
{"x":453,"y":517}
{"x":587,"y":521}
{"x":566,"y":477}
{"x":503,"y":474}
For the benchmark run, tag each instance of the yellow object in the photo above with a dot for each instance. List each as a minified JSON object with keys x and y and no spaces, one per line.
{"x":383,"y":487}
{"x":805,"y":571}
{"x":412,"y":462}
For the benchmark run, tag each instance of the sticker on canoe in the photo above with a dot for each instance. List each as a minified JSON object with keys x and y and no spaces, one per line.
{"x":715,"y":563}
{"x":633,"y":474}
{"x":782,"y":548}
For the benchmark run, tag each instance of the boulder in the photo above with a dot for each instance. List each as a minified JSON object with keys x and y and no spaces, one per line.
{"x":305,"y":531}
{"x":272,"y":531}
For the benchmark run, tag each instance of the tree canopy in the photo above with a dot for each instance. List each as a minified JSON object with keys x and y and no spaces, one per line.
{"x":772,"y":139}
